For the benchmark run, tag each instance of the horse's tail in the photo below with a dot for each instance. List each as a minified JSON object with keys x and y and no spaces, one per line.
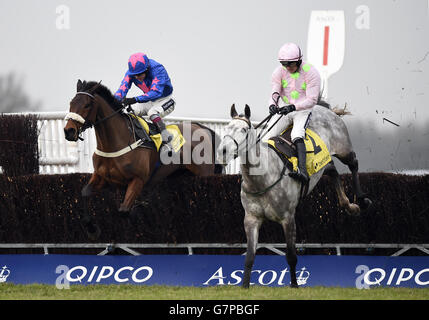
{"x":219,"y":168}
{"x":338,"y":111}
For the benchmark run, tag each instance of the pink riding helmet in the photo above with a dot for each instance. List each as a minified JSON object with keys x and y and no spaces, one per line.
{"x":290,"y":52}
{"x":138,"y":63}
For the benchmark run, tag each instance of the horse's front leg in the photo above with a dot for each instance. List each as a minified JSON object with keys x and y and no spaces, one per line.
{"x":95,"y":183}
{"x":133,"y":191}
{"x":251,"y":226}
{"x":289,"y":229}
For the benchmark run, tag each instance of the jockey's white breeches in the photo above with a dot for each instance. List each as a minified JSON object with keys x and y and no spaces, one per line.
{"x":299,"y":119}
{"x":161,"y":107}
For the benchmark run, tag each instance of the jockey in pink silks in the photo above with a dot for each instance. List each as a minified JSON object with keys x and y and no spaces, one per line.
{"x":298,"y":84}
{"x":156,"y":101}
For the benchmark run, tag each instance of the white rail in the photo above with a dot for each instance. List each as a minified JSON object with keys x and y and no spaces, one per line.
{"x":274,"y":247}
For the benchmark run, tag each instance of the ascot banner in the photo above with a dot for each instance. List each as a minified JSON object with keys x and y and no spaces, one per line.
{"x":212,"y":270}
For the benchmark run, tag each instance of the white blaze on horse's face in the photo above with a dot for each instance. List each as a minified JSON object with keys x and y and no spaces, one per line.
{"x":234,"y":142}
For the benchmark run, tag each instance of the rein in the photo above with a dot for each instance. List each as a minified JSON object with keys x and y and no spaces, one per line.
{"x":304,"y":188}
{"x":237,"y":145}
{"x":275,"y":96}
{"x":266,"y":120}
{"x":87,"y":124}
{"x":260,"y":136}
{"x":260,"y":193}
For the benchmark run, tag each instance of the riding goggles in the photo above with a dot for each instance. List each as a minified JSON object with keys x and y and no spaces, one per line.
{"x":289,"y":63}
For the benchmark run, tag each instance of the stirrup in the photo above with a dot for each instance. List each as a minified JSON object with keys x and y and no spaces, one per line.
{"x":166,"y":148}
{"x":299,"y":176}
{"x":167,"y":135}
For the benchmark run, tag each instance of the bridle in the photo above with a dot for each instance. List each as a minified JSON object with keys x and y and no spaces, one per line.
{"x":85,"y":123}
{"x":276,"y":97}
{"x":263,"y":124}
{"x":238,"y":145}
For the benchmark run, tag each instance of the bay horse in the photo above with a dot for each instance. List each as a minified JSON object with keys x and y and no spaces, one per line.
{"x":267,"y":191}
{"x":94,"y":105}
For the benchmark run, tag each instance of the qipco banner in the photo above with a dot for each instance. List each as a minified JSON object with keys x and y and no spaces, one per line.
{"x":213,"y":270}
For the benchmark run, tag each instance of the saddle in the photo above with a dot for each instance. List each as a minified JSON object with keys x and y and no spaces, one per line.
{"x":317,"y":153}
{"x":151,"y":138}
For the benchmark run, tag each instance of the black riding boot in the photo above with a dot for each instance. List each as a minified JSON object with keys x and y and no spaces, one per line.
{"x":301,"y":173}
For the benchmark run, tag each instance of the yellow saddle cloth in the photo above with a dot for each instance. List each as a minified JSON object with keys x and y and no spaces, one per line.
{"x":317,"y":153}
{"x":178,"y":139}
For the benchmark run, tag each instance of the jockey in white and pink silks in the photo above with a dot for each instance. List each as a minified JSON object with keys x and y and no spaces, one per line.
{"x":298,"y":84}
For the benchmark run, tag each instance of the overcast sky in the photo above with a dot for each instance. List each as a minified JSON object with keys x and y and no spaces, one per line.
{"x":220,"y":52}
{"x":216,"y":52}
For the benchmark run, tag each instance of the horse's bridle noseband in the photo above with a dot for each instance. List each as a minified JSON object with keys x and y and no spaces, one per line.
{"x":75,"y":116}
{"x":78,"y":118}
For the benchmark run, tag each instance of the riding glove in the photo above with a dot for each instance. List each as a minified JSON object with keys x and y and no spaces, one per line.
{"x":273,"y":109}
{"x":129,"y":101}
{"x":287,"y":109}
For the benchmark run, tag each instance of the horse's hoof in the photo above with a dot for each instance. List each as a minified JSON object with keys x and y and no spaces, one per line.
{"x":353,"y":210}
{"x":365,"y":203}
{"x":245,"y":286}
{"x":294,"y":285}
{"x":124,"y":214}
{"x":93,"y":234}
{"x":123,"y":208}
{"x":134,"y":213}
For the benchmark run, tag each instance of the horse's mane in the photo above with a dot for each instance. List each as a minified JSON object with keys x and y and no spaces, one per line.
{"x":104,"y":92}
{"x":322,"y":102}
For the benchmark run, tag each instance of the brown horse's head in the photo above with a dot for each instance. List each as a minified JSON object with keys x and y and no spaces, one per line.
{"x":82,"y":112}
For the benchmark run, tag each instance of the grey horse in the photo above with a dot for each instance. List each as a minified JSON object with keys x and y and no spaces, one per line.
{"x":267,"y":192}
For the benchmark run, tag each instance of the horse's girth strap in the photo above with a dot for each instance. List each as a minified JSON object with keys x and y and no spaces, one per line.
{"x":120,"y":152}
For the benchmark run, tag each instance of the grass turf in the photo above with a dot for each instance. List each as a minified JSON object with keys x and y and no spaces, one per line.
{"x":155,"y":292}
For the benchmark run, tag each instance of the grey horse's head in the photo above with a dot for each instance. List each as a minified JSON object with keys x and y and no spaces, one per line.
{"x":235,"y":140}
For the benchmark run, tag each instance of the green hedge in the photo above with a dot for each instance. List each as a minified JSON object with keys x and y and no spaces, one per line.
{"x":46,"y":208}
